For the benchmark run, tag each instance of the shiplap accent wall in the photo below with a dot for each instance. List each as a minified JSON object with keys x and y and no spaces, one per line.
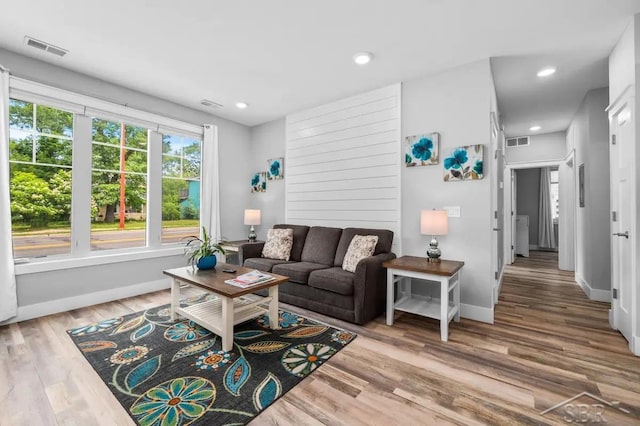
{"x":343,"y":163}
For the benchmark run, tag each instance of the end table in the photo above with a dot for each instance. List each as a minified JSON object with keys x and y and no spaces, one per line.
{"x":445,"y":272}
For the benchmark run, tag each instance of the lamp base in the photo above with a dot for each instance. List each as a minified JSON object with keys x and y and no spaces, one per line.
{"x":434,"y":253}
{"x":252,"y":235}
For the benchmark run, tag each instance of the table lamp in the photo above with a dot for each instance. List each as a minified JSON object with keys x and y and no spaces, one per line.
{"x":252,"y":217}
{"x":434,"y":222}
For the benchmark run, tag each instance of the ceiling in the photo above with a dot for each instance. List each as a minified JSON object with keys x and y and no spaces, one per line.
{"x":281,"y":56}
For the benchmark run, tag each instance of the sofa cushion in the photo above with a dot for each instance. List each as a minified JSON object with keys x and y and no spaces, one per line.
{"x":385,"y":239}
{"x":336,"y":280}
{"x":263,"y":264}
{"x":298,"y":272}
{"x":299,"y":237}
{"x":278,"y":244}
{"x":321,"y":244}
{"x":361,"y":246}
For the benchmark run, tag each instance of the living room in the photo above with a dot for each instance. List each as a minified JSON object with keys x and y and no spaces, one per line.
{"x":291,"y":71}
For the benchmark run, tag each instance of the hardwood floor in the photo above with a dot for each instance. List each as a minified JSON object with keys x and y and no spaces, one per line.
{"x":548,"y":343}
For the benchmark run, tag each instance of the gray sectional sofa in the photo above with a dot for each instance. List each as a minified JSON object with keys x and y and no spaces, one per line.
{"x":316,"y":279}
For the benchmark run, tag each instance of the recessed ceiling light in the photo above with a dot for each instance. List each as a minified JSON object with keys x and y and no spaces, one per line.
{"x":546,"y":72}
{"x":362,"y":58}
{"x":535,"y":128}
{"x":241,"y":105}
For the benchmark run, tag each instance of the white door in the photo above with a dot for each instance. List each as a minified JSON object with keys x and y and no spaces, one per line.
{"x":622,"y":206}
{"x":514,"y":210}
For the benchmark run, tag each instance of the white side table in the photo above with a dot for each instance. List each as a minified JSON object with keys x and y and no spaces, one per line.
{"x":446,"y":272}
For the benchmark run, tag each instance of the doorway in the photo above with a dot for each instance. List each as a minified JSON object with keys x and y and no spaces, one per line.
{"x":522,"y":208}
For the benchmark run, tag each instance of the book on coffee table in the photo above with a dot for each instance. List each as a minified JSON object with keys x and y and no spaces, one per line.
{"x":249,"y":279}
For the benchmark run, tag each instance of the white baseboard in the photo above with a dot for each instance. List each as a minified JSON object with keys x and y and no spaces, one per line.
{"x":498,"y":286}
{"x":69,"y":303}
{"x":593,"y":293}
{"x":476,"y":313}
{"x":635,"y":345}
{"x":533,"y":247}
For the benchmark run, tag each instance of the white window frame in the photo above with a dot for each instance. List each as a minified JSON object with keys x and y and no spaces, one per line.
{"x":84,"y":108}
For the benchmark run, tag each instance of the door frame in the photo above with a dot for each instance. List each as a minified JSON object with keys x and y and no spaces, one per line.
{"x":627,"y":98}
{"x":508,"y":189}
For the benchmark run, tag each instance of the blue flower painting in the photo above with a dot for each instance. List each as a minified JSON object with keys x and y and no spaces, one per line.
{"x":259,"y":182}
{"x":275,"y":169}
{"x":421,"y":150}
{"x":464,"y":163}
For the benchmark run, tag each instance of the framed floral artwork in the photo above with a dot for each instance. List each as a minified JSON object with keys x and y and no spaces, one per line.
{"x":275,"y":169}
{"x":464,"y":163}
{"x":259,"y":182}
{"x":421,"y":150}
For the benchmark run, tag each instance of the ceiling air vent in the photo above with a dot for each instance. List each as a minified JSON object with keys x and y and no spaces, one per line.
{"x":519,"y":141}
{"x":212,"y":104}
{"x":41,"y":45}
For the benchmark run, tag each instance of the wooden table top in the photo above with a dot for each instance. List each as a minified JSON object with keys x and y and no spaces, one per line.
{"x":422,"y":264}
{"x":214,"y":279}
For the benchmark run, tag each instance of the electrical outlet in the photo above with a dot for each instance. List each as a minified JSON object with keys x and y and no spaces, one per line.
{"x":452,"y":211}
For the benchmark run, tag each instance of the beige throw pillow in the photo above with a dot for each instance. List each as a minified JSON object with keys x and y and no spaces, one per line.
{"x":361,"y":246}
{"x":278,"y":244}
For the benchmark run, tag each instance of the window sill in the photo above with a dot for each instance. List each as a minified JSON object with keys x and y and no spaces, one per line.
{"x":47,"y":265}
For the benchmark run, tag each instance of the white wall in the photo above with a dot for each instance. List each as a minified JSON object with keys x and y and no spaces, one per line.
{"x":343,"y":163}
{"x":234,"y":176}
{"x":456,"y":104}
{"x":267,"y":141}
{"x":542,"y":147}
{"x":589,"y":131}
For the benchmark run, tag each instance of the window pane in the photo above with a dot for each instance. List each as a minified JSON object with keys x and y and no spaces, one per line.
{"x":171,"y":166}
{"x":191,"y":163}
{"x":136,"y":137}
{"x":180,"y":188}
{"x":106,"y":131}
{"x":20,"y":114}
{"x":40,"y":210}
{"x":20,"y":147}
{"x":50,"y":150}
{"x":180,"y":209}
{"x":54,"y":121}
{"x":106,"y":233}
{"x":106,"y":157}
{"x":172,"y":145}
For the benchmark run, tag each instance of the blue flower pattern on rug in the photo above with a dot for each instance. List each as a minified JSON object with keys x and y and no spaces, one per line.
{"x":175,"y":373}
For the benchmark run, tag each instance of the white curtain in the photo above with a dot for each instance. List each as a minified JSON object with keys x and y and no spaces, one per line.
{"x":210,"y":187}
{"x":8,"y":298}
{"x":546,"y":234}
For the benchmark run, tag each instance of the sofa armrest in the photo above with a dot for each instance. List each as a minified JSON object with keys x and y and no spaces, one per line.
{"x":249,"y":250}
{"x":370,"y":287}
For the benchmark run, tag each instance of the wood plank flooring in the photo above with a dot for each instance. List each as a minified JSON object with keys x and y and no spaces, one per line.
{"x":548,"y":343}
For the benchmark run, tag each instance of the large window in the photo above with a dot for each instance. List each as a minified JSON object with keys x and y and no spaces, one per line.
{"x":180,"y":187}
{"x":40,"y":156}
{"x":114,"y":165}
{"x":118,"y":185}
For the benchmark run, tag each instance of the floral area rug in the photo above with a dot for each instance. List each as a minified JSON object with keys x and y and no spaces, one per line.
{"x":175,"y":373}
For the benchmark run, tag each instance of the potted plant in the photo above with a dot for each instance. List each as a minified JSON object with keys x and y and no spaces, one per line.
{"x":201,"y":252}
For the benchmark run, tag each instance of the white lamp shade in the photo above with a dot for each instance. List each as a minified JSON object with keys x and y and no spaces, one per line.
{"x":434,"y":222}
{"x":251,"y":217}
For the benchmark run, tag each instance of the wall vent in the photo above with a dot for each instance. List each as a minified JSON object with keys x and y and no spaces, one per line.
{"x":519,"y":141}
{"x":212,"y":104}
{"x":41,"y":45}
